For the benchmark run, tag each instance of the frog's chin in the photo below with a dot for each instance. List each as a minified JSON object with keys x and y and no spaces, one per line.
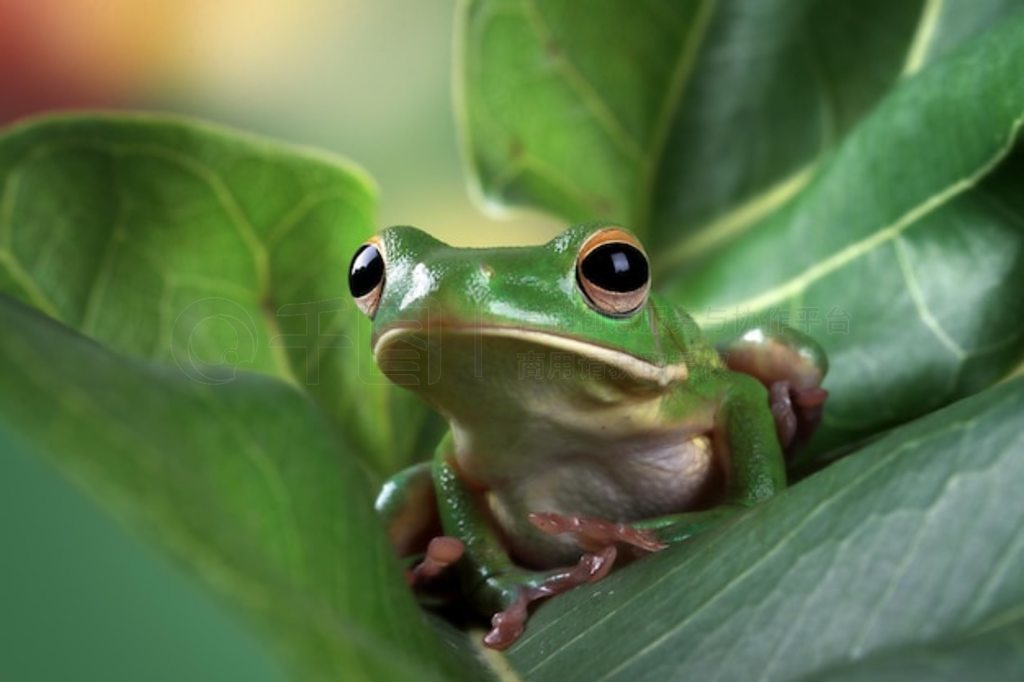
{"x":398,"y":348}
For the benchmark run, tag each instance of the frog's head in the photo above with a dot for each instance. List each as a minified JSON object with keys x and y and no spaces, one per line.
{"x":573,"y":315}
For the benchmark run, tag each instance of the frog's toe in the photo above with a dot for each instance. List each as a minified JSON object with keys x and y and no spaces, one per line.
{"x":783,"y":414}
{"x":594,"y":534}
{"x":441,"y":553}
{"x":508,"y":624}
{"x":797,"y":412}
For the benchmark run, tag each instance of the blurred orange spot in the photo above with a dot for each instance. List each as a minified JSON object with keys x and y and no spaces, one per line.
{"x":73,"y":53}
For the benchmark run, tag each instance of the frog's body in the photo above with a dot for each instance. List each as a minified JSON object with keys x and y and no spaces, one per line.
{"x":622,"y":480}
{"x":567,"y":397}
{"x":610,"y":445}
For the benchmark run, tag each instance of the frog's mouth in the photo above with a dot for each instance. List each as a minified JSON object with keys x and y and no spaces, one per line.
{"x":410,"y":351}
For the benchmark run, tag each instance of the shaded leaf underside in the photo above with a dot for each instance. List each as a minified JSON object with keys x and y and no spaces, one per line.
{"x":245,"y":480}
{"x":232,"y":411}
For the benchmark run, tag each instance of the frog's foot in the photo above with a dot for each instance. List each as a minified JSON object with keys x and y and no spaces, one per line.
{"x":797,"y":412}
{"x":508,"y":625}
{"x":442,"y":552}
{"x":593,"y":534}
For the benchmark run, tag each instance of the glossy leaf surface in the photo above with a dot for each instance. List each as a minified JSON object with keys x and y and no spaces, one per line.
{"x":201,"y":249}
{"x":229,"y":410}
{"x":245,"y":480}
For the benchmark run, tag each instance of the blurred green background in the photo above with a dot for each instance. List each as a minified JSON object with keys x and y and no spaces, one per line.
{"x":80,"y":599}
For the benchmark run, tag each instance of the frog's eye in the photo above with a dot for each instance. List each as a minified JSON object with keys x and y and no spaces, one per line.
{"x":366,"y":276}
{"x":612,"y":272}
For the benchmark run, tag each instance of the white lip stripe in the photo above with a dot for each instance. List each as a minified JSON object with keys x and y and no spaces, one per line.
{"x":634,"y":366}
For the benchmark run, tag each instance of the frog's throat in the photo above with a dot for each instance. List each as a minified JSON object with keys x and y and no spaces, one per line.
{"x":638,"y":368}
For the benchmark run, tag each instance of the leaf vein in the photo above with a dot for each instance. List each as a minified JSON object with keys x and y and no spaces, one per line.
{"x":12,"y":185}
{"x":682,"y":71}
{"x":923,"y":37}
{"x":300,"y":210}
{"x":737,"y":219}
{"x":225,"y":197}
{"x":590,"y":97}
{"x":921,"y":305}
{"x":28,"y":284}
{"x":856,"y":250}
{"x":94,"y":298}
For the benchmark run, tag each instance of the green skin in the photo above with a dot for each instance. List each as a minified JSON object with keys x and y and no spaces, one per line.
{"x":557,"y":407}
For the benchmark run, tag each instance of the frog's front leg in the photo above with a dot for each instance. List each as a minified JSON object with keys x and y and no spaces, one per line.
{"x":407,"y":509}
{"x":792,"y":366}
{"x":495,"y":583}
{"x":745,"y":441}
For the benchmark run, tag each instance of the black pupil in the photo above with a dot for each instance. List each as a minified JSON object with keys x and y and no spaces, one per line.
{"x":366,"y":271}
{"x":616,"y":267}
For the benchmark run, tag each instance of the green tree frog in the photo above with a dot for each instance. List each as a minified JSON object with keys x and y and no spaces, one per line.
{"x":589,"y":420}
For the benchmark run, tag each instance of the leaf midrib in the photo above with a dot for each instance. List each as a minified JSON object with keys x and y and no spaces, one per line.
{"x":681,"y":75}
{"x":799,"y":283}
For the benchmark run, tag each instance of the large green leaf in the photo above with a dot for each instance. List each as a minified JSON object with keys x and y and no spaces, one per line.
{"x":993,"y":654}
{"x":913,"y":545}
{"x":244,"y":479}
{"x":232,"y":409}
{"x":682,"y":117}
{"x":200,"y":248}
{"x":756,"y":148}
{"x":903,"y":255}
